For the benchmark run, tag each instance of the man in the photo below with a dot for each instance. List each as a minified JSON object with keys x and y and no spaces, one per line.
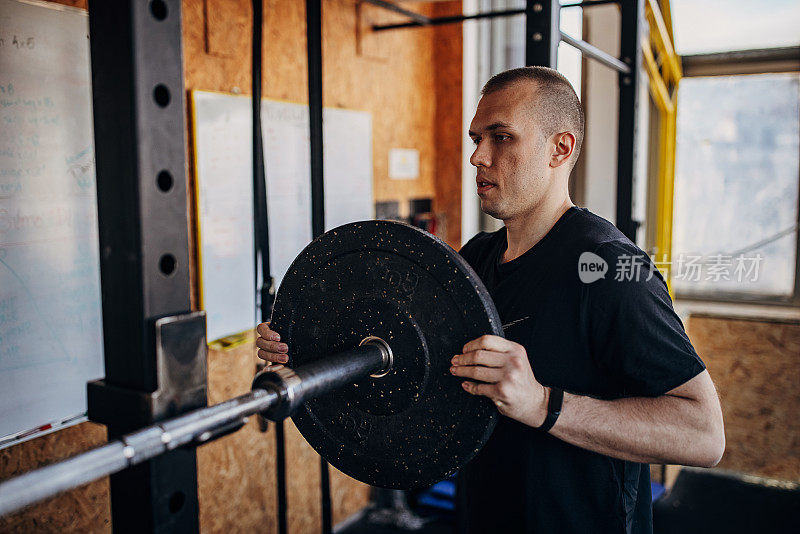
{"x":596,"y":377}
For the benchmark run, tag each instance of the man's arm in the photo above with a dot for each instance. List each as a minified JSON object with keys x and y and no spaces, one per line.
{"x":683,"y":426}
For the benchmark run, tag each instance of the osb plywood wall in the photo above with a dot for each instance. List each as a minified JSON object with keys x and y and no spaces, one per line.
{"x":447,"y":47}
{"x":410,"y":82}
{"x":756,"y":368}
{"x":236,"y":474}
{"x":86,"y":509}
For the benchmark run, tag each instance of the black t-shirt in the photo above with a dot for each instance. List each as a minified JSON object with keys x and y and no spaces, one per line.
{"x":607,"y":337}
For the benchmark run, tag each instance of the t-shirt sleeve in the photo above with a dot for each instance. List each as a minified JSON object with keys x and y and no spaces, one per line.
{"x":634,"y":332}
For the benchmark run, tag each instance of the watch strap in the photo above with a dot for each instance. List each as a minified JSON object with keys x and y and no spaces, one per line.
{"x":554,"y":404}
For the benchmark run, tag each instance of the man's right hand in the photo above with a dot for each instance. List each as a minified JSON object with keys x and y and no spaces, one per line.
{"x":269,"y":345}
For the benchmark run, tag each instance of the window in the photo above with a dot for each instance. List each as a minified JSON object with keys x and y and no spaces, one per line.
{"x":735,"y":230}
{"x":722,"y":25}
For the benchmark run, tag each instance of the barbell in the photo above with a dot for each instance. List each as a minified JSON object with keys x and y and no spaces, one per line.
{"x":372,"y":312}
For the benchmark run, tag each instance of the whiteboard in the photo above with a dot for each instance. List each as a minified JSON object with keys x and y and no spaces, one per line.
{"x":50,"y":312}
{"x":222,"y":136}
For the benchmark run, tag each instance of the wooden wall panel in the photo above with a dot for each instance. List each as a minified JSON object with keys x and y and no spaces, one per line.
{"x":347,"y":496}
{"x":756,"y":368}
{"x":399,"y":90}
{"x":85,"y":509}
{"x":236,"y":474}
{"x":448,"y":45}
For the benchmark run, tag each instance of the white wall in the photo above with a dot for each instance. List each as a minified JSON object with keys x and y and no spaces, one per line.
{"x":601,"y":103}
{"x":470,"y":207}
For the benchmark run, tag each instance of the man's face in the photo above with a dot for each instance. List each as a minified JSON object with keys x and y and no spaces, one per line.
{"x":510,"y":153}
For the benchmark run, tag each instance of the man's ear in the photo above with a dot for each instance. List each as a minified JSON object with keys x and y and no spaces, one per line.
{"x":563,"y":147}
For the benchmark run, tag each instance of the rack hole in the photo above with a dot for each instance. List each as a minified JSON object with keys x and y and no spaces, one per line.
{"x":164,"y":181}
{"x":167,"y":264}
{"x":176,"y":502}
{"x":158,"y":8}
{"x":161,"y":95}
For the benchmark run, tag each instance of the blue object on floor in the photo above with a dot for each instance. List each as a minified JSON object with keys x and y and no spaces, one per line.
{"x":441,"y":496}
{"x":445,"y":488}
{"x":432,"y":501}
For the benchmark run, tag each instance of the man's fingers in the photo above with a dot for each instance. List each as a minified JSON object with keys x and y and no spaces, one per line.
{"x":272,"y":356}
{"x":265,"y":332}
{"x":271,"y":346}
{"x":478,"y":372}
{"x":489,"y":342}
{"x":480,"y":357}
{"x":487,"y":390}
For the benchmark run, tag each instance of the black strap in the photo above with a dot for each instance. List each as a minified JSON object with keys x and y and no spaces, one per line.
{"x":554,"y":404}
{"x":266,"y":292}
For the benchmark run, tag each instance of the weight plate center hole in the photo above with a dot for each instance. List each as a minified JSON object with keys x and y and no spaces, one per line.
{"x":388,"y":356}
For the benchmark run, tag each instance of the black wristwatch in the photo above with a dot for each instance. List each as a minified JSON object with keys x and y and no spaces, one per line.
{"x":553,"y":408}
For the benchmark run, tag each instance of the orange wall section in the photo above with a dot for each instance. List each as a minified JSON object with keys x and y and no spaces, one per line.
{"x":448,"y":46}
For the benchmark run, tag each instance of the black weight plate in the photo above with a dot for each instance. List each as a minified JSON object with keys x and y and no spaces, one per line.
{"x":416,"y":425}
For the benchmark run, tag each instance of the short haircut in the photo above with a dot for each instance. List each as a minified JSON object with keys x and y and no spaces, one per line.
{"x":557,"y":107}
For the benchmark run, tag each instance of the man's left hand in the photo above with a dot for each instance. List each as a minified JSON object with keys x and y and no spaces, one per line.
{"x":503,"y":373}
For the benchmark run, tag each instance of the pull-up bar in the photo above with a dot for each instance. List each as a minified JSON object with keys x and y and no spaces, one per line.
{"x":595,"y":53}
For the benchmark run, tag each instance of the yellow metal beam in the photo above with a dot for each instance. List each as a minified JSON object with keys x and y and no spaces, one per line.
{"x":666,"y":192}
{"x":658,"y":86}
{"x":660,"y":35}
{"x":664,"y":80}
{"x":666,"y":13}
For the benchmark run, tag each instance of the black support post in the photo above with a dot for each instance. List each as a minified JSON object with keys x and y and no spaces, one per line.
{"x":542,"y":32}
{"x":314,"y":43}
{"x":154,"y":348}
{"x":314,"y":36}
{"x":632,"y":15}
{"x":265,"y":283}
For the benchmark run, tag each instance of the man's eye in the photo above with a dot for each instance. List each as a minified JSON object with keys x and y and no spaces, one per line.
{"x":476,"y":140}
{"x":502,"y":137}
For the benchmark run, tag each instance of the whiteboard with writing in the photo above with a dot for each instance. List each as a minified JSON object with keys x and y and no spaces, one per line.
{"x":223,"y":178}
{"x":50,"y":308}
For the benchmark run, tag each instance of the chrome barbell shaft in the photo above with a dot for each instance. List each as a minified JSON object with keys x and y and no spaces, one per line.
{"x":273,"y":396}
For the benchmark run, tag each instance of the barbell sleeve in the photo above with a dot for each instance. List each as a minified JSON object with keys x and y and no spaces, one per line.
{"x":323,"y":375}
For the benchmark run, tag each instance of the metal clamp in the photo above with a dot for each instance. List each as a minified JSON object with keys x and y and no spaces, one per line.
{"x":286,"y":384}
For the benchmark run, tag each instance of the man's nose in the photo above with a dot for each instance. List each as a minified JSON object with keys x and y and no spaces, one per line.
{"x":481,"y":156}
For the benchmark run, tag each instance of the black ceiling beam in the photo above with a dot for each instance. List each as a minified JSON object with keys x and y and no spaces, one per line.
{"x":438,"y":21}
{"x":421,"y":20}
